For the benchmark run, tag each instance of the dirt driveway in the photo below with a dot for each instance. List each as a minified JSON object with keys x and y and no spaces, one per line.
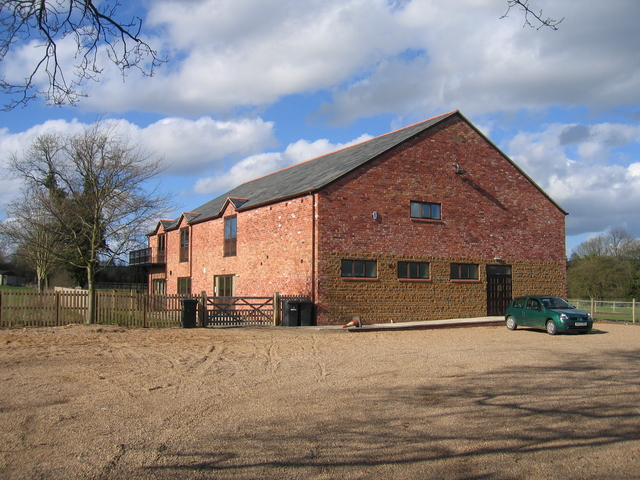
{"x":474,"y":403}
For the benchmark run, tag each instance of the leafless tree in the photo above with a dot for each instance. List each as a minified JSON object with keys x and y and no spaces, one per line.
{"x":93,"y":25}
{"x":37,"y":248}
{"x":94,"y":195}
{"x":531,"y":18}
{"x":33,"y":245}
{"x":616,"y":242}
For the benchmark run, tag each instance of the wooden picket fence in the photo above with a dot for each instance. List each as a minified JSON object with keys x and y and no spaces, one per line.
{"x":51,"y":309}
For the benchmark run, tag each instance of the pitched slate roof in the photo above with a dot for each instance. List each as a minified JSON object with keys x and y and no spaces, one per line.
{"x":312,"y":175}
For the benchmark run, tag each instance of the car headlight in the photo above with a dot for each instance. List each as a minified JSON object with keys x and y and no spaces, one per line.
{"x":589,"y":317}
{"x":563,"y":317}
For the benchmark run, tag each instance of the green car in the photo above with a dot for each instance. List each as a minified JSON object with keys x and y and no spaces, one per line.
{"x":550,"y":313}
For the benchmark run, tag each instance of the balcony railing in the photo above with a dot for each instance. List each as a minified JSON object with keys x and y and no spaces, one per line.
{"x":146,"y":256}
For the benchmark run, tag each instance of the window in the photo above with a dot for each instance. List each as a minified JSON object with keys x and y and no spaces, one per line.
{"x":223,"y":285}
{"x":159,"y":287}
{"x":429,"y":211}
{"x":413,"y":270}
{"x":184,"y":285}
{"x":162,"y":247}
{"x":184,"y":244}
{"x":360,"y":268}
{"x":230,"y":236}
{"x":504,"y":270}
{"x":533,"y":304}
{"x":519,"y":302}
{"x":464,"y":271}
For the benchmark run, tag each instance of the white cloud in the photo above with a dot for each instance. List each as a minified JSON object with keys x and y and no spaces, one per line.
{"x":572,"y":163}
{"x":226,"y":54}
{"x":415,"y":59}
{"x":189,"y":147}
{"x":256,"y":166}
{"x":478,"y":63}
{"x":409,"y":58}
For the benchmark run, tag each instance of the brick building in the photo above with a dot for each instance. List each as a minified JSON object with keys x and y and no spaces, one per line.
{"x":427,"y":222}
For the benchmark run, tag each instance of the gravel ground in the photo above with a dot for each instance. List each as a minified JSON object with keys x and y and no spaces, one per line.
{"x":103,"y":402}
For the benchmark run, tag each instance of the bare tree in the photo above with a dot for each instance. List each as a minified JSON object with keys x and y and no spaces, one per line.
{"x":36,"y":246}
{"x":531,"y":18}
{"x":93,"y":196}
{"x":593,"y":247}
{"x":621,"y":243}
{"x":92,"y":25}
{"x":616,"y":242}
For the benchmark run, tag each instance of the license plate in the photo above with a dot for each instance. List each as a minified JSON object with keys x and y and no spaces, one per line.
{"x":581,"y":324}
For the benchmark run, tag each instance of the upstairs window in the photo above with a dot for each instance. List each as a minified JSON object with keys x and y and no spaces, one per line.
{"x":230,"y":236}
{"x":360,"y":268}
{"x":464,"y":271}
{"x":184,"y":244}
{"x":162,"y":247}
{"x":413,"y":270}
{"x":429,"y":211}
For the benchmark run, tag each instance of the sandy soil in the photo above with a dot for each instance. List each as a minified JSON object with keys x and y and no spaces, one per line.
{"x":104,"y":402}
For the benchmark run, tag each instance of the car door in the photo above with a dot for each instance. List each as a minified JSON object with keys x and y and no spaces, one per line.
{"x":533,"y":313}
{"x":516,"y":309}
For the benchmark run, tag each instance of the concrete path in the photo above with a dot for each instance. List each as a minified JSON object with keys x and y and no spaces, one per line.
{"x":450,"y":323}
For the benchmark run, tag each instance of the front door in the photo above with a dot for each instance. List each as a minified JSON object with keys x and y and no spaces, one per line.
{"x":498,"y":289}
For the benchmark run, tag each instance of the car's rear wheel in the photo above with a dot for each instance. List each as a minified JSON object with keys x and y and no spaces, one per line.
{"x":552,"y":328}
{"x":511,"y":323}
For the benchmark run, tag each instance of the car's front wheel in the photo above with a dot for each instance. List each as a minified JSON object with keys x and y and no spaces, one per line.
{"x":511,"y":323}
{"x":552,"y":328}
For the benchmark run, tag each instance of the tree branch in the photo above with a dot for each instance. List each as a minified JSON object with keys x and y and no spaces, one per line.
{"x":538,"y":20}
{"x":93,"y":27}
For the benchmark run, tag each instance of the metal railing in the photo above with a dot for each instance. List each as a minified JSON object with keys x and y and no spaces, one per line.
{"x":146,"y":256}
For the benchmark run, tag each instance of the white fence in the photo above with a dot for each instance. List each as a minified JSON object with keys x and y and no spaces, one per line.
{"x":619,"y":310}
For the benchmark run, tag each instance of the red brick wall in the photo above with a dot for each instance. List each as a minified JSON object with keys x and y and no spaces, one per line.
{"x":491,"y":211}
{"x":274,"y":251}
{"x":175,"y":268}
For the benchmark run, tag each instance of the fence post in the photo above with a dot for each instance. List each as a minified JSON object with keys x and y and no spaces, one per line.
{"x":634,"y":311}
{"x":202,"y":313}
{"x":145,"y":307}
{"x":276,"y":308}
{"x":57,"y":309}
{"x":593,"y":313}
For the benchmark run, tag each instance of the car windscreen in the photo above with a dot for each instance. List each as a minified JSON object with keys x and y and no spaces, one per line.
{"x":555,"y":303}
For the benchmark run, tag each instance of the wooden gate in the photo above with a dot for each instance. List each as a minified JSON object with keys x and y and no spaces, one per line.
{"x":239,"y":311}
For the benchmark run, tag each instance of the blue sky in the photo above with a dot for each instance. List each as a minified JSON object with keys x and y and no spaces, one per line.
{"x":252,"y":86}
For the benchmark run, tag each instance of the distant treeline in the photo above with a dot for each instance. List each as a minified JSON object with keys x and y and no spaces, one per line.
{"x":605,"y":266}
